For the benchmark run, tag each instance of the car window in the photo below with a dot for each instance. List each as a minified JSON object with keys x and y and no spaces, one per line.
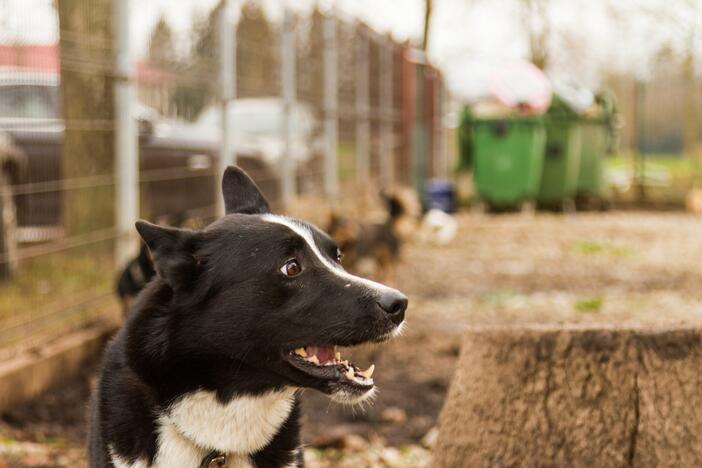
{"x":261,"y":119}
{"x":29,"y":102}
{"x":267,"y":120}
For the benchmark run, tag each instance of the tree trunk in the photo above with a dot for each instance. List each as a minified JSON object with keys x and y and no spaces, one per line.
{"x":536,"y":24}
{"x":8,"y":228}
{"x":427,"y":23}
{"x":86,"y":46}
{"x":574,"y":396}
{"x":691,"y":127}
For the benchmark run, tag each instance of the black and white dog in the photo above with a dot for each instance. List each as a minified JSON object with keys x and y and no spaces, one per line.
{"x":240,"y":317}
{"x":134,"y":277}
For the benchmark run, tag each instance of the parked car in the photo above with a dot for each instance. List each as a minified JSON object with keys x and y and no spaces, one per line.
{"x":177,"y":159}
{"x":257,"y":126}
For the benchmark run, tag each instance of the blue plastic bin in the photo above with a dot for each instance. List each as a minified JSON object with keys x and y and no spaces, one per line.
{"x":440,"y":195}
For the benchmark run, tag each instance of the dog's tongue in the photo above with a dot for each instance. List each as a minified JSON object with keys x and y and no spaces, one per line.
{"x":323,"y":353}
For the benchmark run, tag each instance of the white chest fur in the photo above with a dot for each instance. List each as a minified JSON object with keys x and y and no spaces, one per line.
{"x":199,"y":423}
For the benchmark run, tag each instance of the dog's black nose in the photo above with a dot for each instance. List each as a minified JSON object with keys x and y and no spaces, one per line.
{"x":394,"y":304}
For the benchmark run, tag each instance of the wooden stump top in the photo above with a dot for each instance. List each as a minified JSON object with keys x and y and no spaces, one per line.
{"x":575,"y":395}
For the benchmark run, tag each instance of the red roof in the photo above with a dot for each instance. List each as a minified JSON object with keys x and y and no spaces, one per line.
{"x":31,"y":56}
{"x":45,"y":57}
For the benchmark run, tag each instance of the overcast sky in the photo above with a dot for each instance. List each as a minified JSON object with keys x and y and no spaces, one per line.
{"x":469,"y":38}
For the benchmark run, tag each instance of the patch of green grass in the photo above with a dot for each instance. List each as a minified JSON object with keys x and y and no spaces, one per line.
{"x":591,"y":304}
{"x":346,"y":153}
{"x":668,"y":177}
{"x":500,"y":297}
{"x":57,"y":441}
{"x":678,"y":165}
{"x":589,"y":248}
{"x":602,"y":248}
{"x":52,"y":278}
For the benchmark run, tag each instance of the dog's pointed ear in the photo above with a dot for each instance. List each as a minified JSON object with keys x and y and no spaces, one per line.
{"x":241,"y":195}
{"x":173,"y":252}
{"x":393,"y":204}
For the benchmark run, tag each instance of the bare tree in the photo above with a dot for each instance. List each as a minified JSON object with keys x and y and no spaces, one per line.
{"x":538,"y":29}
{"x":691,"y":127}
{"x":257,"y":54}
{"x":427,"y":21}
{"x":86,"y":48}
{"x":679,"y":19}
{"x":161,"y":47}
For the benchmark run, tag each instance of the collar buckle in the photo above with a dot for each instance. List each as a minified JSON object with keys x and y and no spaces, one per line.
{"x":214,"y":460}
{"x":219,"y":461}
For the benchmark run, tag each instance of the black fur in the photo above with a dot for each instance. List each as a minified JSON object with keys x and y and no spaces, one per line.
{"x":378,"y":242}
{"x":135,"y":276}
{"x":220,"y":316}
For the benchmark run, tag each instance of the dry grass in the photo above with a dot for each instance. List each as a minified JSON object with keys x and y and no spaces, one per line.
{"x":508,"y":269}
{"x":44,"y":280}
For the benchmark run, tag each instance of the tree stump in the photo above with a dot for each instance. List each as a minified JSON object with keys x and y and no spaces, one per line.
{"x":574,"y":396}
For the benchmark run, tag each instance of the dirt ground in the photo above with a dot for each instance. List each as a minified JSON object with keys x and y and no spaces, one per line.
{"x":613,"y":267}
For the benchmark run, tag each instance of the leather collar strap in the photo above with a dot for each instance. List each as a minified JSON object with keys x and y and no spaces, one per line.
{"x":214,"y":459}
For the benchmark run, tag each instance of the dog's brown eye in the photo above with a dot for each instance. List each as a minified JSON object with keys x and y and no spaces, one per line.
{"x":291,"y":268}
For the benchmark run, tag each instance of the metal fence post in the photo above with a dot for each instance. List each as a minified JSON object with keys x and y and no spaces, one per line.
{"x":126,"y":139}
{"x":443,"y":135}
{"x":387,"y":134}
{"x":331,"y":108}
{"x":640,"y":115}
{"x":439,"y":169}
{"x":227,"y":81}
{"x":287,"y":75}
{"x":362,"y":108}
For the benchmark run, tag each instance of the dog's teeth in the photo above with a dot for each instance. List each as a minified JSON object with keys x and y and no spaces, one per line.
{"x":300,"y":352}
{"x":313,"y":359}
{"x":368,"y":372}
{"x":349,"y":374}
{"x":338,"y":356}
{"x":363,"y":380}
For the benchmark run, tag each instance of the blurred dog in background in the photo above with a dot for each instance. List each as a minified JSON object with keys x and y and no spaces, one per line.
{"x":134,"y":277}
{"x":372,"y":249}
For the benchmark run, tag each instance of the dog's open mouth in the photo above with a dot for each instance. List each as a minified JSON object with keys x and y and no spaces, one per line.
{"x":325,"y":363}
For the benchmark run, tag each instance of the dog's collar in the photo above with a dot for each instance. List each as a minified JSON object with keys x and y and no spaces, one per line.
{"x":214,"y":459}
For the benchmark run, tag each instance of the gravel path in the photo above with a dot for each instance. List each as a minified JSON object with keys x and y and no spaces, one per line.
{"x":507,"y":269}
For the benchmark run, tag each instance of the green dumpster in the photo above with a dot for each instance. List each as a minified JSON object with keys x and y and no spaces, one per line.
{"x":597,"y":131}
{"x":594,"y":135}
{"x":465,"y":140}
{"x":559,"y":176}
{"x":507,"y":156}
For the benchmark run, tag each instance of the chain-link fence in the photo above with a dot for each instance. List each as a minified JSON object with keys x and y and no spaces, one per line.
{"x":318,"y":108}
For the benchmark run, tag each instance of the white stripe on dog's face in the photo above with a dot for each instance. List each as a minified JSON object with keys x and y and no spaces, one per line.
{"x":304,"y":232}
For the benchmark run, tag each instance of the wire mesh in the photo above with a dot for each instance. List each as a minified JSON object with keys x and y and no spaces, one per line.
{"x":57,"y":131}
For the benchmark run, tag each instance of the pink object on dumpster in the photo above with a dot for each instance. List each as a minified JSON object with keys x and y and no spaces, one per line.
{"x":522,"y":86}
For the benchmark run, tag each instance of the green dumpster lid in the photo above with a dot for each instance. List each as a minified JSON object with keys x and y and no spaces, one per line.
{"x":560,"y":109}
{"x":468,"y":116}
{"x":511,"y":119}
